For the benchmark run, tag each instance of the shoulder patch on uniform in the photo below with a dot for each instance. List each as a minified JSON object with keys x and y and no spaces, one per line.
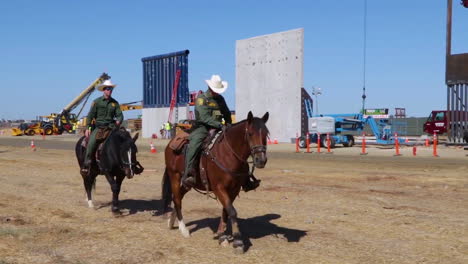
{"x":200,"y":101}
{"x":113,"y":104}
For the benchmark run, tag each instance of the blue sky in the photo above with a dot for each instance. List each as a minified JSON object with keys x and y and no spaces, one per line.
{"x":51,"y":50}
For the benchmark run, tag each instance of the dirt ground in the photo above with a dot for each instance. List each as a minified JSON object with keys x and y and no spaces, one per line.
{"x":310,"y":208}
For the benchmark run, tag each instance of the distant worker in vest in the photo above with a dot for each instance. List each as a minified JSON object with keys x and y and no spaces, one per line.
{"x":162,"y":131}
{"x":167,"y":127}
{"x":107,"y":114}
{"x":210,"y":110}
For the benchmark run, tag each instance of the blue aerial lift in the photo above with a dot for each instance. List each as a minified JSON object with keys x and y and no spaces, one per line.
{"x":342,"y":127}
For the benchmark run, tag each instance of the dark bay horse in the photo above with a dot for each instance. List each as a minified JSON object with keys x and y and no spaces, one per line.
{"x":116,"y":160}
{"x":226,"y":169}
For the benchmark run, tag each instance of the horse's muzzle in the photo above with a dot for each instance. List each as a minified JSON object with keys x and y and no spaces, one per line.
{"x":260,"y":160}
{"x":129,"y":173}
{"x":136,"y":169}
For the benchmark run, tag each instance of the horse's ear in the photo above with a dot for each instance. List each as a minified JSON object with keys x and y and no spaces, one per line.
{"x":135,"y":137}
{"x":249,"y":117}
{"x":265,"y":117}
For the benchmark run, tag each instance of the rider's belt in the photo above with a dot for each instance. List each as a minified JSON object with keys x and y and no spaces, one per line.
{"x":104,"y":124}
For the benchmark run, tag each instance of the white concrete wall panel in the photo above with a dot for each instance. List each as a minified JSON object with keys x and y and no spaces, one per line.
{"x":153,"y":118}
{"x":269,"y":77}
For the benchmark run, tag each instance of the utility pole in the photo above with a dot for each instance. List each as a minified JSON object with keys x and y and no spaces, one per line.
{"x":364,"y":60}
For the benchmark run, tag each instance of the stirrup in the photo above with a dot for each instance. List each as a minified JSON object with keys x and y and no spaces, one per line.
{"x":85,"y":171}
{"x":189,"y":181}
{"x":251,"y":185}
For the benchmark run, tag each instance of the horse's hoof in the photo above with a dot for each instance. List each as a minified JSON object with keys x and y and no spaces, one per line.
{"x":237,"y":243}
{"x":183,"y":230}
{"x":224,"y":243}
{"x":223,"y":240}
{"x":116,"y":211}
{"x":239,"y":250}
{"x":185,"y":233}
{"x":117,"y":214}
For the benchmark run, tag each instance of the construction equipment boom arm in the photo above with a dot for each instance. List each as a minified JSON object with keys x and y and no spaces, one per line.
{"x":85,"y":92}
{"x":77,"y":100}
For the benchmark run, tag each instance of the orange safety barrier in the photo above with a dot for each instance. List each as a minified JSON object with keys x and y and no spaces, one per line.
{"x":328,"y":144}
{"x":363,"y":149}
{"x":33,"y":147}
{"x":434,"y":151}
{"x":308,"y":142}
{"x":397,"y":146}
{"x":297,"y":143}
{"x":153,"y":149}
{"x":318,"y":143}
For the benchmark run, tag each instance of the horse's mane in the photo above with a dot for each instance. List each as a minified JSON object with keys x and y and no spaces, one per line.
{"x":121,"y":135}
{"x":256,"y":122}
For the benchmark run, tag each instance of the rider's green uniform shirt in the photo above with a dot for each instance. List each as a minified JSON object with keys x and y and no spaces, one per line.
{"x":211,"y":109}
{"x":105,"y":111}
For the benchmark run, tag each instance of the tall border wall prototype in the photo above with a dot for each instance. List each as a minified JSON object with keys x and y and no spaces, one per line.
{"x":269,"y":77}
{"x":159,"y":75}
{"x":456,"y":79}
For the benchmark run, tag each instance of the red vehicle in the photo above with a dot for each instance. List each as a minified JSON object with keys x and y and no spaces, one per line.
{"x":439,"y":119}
{"x":436,"y":122}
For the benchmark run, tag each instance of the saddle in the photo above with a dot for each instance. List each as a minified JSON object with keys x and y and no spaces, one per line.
{"x":180,"y":142}
{"x":102,"y":135}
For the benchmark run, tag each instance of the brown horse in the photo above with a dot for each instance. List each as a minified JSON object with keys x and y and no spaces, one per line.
{"x":226,"y":168}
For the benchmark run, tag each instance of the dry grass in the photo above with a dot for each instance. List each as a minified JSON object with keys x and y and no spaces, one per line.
{"x":309,"y":209}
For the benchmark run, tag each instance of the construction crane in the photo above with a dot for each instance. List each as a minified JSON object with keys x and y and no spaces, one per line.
{"x":174,"y":97}
{"x":64,"y":119}
{"x":131,"y":106}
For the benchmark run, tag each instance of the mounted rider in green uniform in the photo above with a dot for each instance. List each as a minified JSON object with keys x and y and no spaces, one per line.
{"x":210,"y":110}
{"x":107,"y":114}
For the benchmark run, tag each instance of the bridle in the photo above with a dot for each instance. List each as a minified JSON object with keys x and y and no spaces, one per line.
{"x":130,"y":165}
{"x":253,"y":150}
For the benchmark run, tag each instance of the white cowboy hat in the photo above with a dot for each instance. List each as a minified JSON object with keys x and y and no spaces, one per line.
{"x":106,"y":83}
{"x":216,"y":84}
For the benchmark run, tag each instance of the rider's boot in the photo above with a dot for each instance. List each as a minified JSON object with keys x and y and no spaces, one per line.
{"x":252,"y":183}
{"x":188,"y":180}
{"x":86,"y":166}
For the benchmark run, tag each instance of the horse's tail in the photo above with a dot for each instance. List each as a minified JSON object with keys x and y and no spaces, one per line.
{"x":166,"y":191}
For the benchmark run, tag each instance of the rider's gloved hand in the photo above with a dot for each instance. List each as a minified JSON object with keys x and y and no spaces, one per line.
{"x":87,"y":132}
{"x":226,"y":126}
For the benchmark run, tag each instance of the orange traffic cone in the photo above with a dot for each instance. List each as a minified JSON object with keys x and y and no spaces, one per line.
{"x":269,"y":141}
{"x":276,"y":141}
{"x":153,"y":149}
{"x":33,"y":147}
